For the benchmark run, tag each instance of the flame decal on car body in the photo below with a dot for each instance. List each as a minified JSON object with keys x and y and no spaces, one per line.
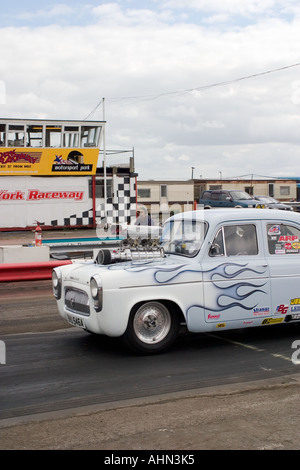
{"x":221,"y":273}
{"x":225,"y":297}
{"x":227,"y":271}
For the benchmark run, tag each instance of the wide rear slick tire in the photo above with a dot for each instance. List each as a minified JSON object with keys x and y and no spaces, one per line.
{"x":152,"y":328}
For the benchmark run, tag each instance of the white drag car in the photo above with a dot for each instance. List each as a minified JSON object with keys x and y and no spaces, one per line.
{"x":211,"y":270}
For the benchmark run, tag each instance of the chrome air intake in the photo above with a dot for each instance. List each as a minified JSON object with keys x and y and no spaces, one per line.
{"x":130,"y":250}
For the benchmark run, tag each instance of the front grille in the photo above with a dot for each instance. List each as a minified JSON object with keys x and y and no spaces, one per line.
{"x":77,"y":301}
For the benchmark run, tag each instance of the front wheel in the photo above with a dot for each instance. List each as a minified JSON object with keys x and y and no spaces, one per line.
{"x":151,"y":328}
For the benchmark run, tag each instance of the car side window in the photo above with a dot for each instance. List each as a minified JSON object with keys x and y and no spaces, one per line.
{"x":241,"y":240}
{"x":235,"y":240}
{"x":283,"y":239}
{"x":215,"y":196}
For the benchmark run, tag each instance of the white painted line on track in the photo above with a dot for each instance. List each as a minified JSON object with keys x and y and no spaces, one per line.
{"x":248,"y":346}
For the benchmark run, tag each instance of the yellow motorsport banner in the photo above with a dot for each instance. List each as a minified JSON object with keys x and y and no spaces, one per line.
{"x":48,"y":161}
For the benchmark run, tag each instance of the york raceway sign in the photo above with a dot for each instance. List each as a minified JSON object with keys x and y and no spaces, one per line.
{"x":36,"y":195}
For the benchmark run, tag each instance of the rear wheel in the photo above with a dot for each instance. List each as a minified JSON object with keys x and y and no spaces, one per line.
{"x":152,"y":328}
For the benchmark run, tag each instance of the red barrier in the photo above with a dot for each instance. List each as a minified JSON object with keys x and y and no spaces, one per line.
{"x":29,"y":271}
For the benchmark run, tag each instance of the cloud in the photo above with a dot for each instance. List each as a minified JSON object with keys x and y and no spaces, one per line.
{"x":112,"y":13}
{"x":169,"y":158}
{"x":231,"y":7}
{"x":170,"y":81}
{"x":184,"y":158}
{"x":58,"y":11}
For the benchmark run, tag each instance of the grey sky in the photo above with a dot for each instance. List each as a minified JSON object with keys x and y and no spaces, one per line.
{"x":156,"y":64}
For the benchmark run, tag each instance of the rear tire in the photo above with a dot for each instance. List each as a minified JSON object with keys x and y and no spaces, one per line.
{"x":152,"y":328}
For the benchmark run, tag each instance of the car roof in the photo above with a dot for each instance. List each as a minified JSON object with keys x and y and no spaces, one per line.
{"x":286,"y":203}
{"x":234,"y":214}
{"x":224,"y":190}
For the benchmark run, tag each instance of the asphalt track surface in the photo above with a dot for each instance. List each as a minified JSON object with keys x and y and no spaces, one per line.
{"x":70,"y":368}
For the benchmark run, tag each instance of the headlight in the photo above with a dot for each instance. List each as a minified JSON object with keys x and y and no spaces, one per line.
{"x":94,"y":288}
{"x":96,"y":292}
{"x":56,"y":282}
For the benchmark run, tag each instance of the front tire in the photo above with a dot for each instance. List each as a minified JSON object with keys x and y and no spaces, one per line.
{"x":152,"y":328}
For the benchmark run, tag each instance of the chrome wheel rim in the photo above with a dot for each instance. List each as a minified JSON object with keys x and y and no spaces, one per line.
{"x":152,"y":323}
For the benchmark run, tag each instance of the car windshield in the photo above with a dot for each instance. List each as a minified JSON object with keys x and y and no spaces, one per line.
{"x":184,"y":237}
{"x":238,"y":195}
{"x":267,"y":199}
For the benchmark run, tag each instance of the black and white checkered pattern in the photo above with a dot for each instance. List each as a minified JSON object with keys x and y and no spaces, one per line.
{"x":120,"y":208}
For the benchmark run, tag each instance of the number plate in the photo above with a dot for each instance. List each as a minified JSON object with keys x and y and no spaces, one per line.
{"x":75,"y":321}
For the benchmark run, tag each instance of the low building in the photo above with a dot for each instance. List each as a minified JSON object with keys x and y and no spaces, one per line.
{"x":282,"y":189}
{"x":162,"y":197}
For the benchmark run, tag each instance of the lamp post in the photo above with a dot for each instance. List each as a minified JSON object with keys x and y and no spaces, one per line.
{"x":193,"y":172}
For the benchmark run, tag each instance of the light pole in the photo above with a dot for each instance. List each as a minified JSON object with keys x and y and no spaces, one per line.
{"x":193,"y":172}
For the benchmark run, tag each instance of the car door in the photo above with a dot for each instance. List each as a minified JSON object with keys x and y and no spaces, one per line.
{"x":283,"y":255}
{"x":226,"y":199}
{"x":215,"y":199}
{"x":236,"y":277}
